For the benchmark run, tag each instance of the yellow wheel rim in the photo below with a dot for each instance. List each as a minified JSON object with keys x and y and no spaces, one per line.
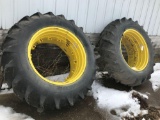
{"x":136,"y":48}
{"x":69,"y":43}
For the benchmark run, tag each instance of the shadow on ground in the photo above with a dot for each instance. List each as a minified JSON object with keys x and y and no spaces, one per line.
{"x":84,"y":110}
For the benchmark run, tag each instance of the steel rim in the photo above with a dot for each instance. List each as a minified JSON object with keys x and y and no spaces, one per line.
{"x":136,"y":49}
{"x":69,"y":43}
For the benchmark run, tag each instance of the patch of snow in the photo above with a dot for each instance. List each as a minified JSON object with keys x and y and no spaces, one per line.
{"x":7,"y":113}
{"x":145,"y":96}
{"x":60,"y":78}
{"x":100,"y":74}
{"x":157,"y":66}
{"x":5,"y":91}
{"x":4,"y":86}
{"x":155,"y":77}
{"x":121,"y":102}
{"x":134,"y":68}
{"x":144,"y":112}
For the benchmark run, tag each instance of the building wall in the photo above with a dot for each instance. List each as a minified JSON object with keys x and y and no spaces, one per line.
{"x":92,"y":15}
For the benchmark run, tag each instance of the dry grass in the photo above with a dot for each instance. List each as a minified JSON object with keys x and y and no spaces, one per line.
{"x":50,"y":60}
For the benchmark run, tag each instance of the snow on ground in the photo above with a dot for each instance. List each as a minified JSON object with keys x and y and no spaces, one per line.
{"x":55,"y":78}
{"x":122,"y":102}
{"x":5,"y":90}
{"x":155,"y":77}
{"x":59,"y":78}
{"x":119,"y":101}
{"x":7,"y":113}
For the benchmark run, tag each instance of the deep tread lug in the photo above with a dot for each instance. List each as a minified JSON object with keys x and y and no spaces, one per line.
{"x":10,"y":49}
{"x":50,"y":14}
{"x":72,"y":21}
{"x":8,"y":40}
{"x":36,"y":15}
{"x":81,"y":28}
{"x":42,"y":101}
{"x":81,"y":95}
{"x":57,"y":103}
{"x":136,"y":22}
{"x":16,"y":80}
{"x":10,"y":64}
{"x":28,"y":91}
{"x":61,"y":16}
{"x":15,"y":26}
{"x":124,"y":19}
{"x":26,"y":18}
{"x":118,"y":21}
{"x":110,"y":32}
{"x":109,"y":41}
{"x":70,"y":100}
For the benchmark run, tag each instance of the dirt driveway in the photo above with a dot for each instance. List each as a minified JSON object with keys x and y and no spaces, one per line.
{"x":84,"y":110}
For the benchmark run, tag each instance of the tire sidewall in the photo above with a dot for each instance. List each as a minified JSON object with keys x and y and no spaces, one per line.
{"x":31,"y":78}
{"x":124,"y":65}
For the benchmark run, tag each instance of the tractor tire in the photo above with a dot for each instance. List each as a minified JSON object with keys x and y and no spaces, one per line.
{"x":126,"y":35}
{"x":20,"y":73}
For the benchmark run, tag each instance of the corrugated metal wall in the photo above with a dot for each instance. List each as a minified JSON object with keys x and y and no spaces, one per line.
{"x":92,"y":15}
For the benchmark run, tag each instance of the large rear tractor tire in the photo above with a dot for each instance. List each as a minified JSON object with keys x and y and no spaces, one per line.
{"x":21,"y":74}
{"x":126,"y":52}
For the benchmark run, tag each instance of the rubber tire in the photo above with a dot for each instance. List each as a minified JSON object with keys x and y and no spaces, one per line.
{"x":27,"y":85}
{"x":111,"y":59}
